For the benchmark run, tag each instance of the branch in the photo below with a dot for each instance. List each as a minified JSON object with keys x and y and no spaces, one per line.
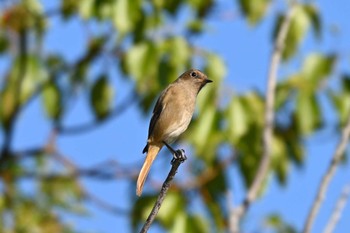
{"x":104,"y":205}
{"x":94,"y":124}
{"x":268,"y":126}
{"x":323,"y":187}
{"x":22,"y":69}
{"x":166,"y":185}
{"x":338,"y":210}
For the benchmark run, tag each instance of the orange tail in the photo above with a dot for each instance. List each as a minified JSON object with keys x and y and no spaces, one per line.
{"x":151,"y":155}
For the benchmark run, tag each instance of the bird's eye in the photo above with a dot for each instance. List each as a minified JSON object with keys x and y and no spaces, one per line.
{"x":194,"y":74}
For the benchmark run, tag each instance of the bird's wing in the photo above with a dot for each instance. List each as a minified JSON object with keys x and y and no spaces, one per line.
{"x":158,"y":108}
{"x":157,"y":111}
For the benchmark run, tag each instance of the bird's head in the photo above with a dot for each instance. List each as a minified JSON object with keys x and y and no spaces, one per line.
{"x":195,"y":77}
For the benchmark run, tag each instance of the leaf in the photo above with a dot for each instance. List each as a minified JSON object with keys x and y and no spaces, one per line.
{"x":215,"y":68}
{"x":7,"y":105}
{"x":308,"y":113}
{"x":172,"y":206}
{"x":238,"y":121}
{"x":197,"y":224}
{"x":254,"y":10}
{"x":52,"y":100}
{"x":4,"y":43}
{"x":140,"y":210}
{"x":254,"y":106}
{"x":125,"y":14}
{"x":283,"y":93}
{"x":179,"y":52}
{"x":341,"y":100}
{"x":317,"y":66}
{"x":101,"y":97}
{"x":184,"y":222}
{"x":276,"y":222}
{"x":279,"y":159}
{"x":203,"y":129}
{"x":179,"y":223}
{"x":35,"y":74}
{"x":86,"y":8}
{"x":298,"y":27}
{"x":195,"y":26}
{"x":141,"y":61}
{"x":314,"y":18}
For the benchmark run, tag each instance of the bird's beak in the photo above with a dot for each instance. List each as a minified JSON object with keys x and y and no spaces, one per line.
{"x":208,"y":81}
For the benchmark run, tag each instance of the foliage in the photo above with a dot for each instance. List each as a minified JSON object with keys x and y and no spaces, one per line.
{"x":148,"y":55}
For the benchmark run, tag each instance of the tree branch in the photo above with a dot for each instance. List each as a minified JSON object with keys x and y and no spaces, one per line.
{"x":94,"y":124}
{"x":268,"y":126}
{"x":166,"y":185}
{"x":336,"y":214}
{"x":323,"y":187}
{"x":22,"y":69}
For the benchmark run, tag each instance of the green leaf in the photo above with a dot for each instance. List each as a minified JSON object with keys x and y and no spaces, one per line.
{"x":341,"y":100}
{"x":317,"y":66}
{"x":283,"y":92}
{"x":52,"y":100}
{"x":238,"y":121}
{"x":279,"y":159}
{"x":314,"y":18}
{"x":179,"y":223}
{"x":35,"y":74}
{"x":141,"y":61}
{"x":197,"y":224}
{"x":298,"y":27}
{"x":179,"y":52}
{"x":254,"y":10}
{"x":203,"y":129}
{"x":195,"y":26}
{"x":215,"y":68}
{"x":7,"y":105}
{"x":141,"y":209}
{"x":4,"y":43}
{"x":276,"y":222}
{"x":254,"y":106}
{"x":308,"y":113}
{"x":86,"y":8}
{"x":172,"y":206}
{"x":101,"y":97}
{"x":125,"y":14}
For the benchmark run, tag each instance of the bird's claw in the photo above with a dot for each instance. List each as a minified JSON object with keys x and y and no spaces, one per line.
{"x":179,"y":155}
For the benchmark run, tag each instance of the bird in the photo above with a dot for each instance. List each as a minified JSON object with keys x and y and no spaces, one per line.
{"x":172,"y":114}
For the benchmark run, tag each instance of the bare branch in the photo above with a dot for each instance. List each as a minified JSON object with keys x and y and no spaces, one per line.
{"x":104,"y":205}
{"x":268,"y":126}
{"x":166,"y":185}
{"x":323,"y":187}
{"x":336,"y":214}
{"x":118,"y":110}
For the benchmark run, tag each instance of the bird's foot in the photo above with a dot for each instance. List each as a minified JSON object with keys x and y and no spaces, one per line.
{"x":179,"y":155}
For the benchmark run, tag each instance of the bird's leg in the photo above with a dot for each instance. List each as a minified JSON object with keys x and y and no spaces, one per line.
{"x":177,"y":154}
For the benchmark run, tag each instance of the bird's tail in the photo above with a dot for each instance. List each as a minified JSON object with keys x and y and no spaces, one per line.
{"x":152,"y":153}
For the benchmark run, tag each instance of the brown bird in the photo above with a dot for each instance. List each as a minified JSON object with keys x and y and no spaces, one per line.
{"x":171,"y":116}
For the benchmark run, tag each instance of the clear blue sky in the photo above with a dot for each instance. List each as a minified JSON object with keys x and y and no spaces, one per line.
{"x":246,"y":52}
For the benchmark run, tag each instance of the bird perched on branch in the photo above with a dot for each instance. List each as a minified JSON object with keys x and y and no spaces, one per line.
{"x":171,"y":116}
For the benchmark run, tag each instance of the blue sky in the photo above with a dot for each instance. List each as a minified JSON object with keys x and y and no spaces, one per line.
{"x":246,"y":52}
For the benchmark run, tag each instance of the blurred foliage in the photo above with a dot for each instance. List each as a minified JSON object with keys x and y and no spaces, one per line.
{"x":150,"y":46}
{"x":276,"y":223}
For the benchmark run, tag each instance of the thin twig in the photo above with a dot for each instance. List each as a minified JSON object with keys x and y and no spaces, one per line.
{"x":339,"y":206}
{"x":104,"y":205}
{"x":85,"y":127}
{"x":323,"y":187}
{"x":268,"y":126}
{"x":166,"y":185}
